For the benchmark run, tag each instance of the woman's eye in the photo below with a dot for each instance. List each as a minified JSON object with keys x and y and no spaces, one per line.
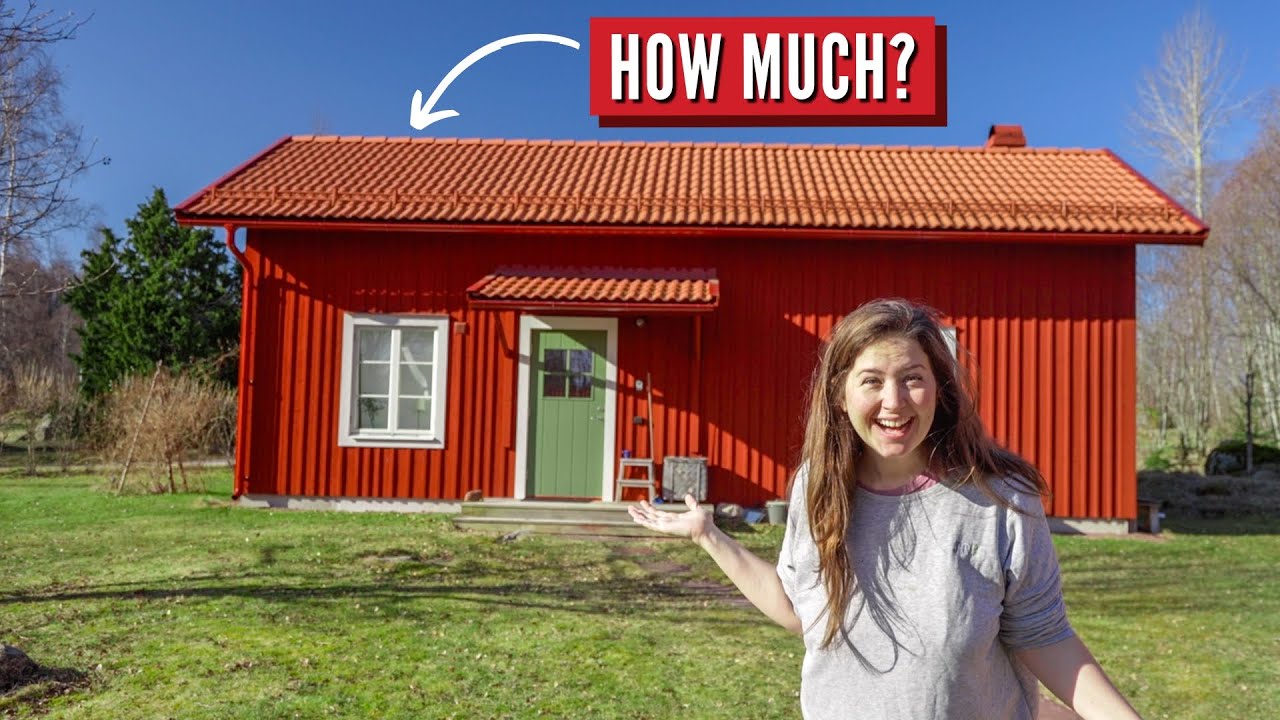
{"x":915,"y":378}
{"x":871,"y":381}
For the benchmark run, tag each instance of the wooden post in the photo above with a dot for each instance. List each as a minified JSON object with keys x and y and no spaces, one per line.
{"x":146,"y":404}
{"x":1248,"y":417}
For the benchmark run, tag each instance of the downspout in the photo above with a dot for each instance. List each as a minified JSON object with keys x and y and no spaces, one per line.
{"x":245,"y":378}
{"x":698,"y":424}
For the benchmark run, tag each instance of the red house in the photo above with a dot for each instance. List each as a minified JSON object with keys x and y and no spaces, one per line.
{"x":423,"y":317}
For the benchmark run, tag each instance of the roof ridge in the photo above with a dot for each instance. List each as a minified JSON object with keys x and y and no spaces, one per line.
{"x":736,"y":144}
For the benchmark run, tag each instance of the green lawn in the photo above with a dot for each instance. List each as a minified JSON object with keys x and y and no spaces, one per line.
{"x":195,"y":609}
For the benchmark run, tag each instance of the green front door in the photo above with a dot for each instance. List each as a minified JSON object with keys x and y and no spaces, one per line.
{"x":566,"y":413}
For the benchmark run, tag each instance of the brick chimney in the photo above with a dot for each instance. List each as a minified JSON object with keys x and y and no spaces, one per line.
{"x":1006,"y":136}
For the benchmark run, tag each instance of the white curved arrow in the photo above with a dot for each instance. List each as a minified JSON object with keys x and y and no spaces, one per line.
{"x":420,"y":116}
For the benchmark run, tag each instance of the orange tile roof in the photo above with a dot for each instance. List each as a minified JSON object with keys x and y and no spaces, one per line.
{"x":422,"y":181}
{"x":592,"y":287}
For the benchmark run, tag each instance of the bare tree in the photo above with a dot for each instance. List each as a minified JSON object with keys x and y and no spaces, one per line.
{"x":40,"y":327}
{"x":1183,"y":104}
{"x":41,"y":153}
{"x":1247,"y":231}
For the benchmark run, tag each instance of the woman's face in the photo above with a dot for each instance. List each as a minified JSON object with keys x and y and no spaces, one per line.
{"x":890,"y":396}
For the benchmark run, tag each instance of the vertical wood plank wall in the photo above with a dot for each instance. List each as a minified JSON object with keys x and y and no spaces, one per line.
{"x":1050,"y":328}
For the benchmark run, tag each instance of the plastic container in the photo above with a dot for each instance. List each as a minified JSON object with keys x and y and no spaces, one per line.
{"x":777,"y":510}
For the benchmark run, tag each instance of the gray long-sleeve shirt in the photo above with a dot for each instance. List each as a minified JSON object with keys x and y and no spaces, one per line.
{"x":947,"y":584}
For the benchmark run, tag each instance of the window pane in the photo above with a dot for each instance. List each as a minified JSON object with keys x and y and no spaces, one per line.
{"x":580,"y":386}
{"x":414,"y":414}
{"x":553,"y":360}
{"x":375,"y":379}
{"x":375,"y":344}
{"x":580,"y":361}
{"x":553,"y":386}
{"x":373,"y":414}
{"x":417,"y":345}
{"x":415,"y":381}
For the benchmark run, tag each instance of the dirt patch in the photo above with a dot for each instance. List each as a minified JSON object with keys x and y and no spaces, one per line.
{"x":664,"y":567}
{"x":400,"y":556}
{"x":646,"y":558}
{"x":631,"y":550}
{"x":727,"y":594}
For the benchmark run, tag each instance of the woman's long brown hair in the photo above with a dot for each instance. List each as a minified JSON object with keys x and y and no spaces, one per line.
{"x":960,"y":450}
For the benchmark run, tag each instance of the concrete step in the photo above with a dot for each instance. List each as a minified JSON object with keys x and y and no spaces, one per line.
{"x":552,"y":526}
{"x":588,"y":512}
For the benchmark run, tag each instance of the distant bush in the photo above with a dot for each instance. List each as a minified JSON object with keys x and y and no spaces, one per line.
{"x":37,"y":398}
{"x":1159,"y":459}
{"x":220,"y":436}
{"x":153,"y":424}
{"x":1193,"y":495}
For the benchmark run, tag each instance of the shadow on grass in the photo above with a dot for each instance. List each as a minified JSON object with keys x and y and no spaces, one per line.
{"x":400,"y":593}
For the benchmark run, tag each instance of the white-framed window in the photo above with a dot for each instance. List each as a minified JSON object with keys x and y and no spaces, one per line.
{"x":394,"y":380}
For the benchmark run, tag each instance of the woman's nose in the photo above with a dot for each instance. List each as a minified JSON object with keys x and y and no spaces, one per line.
{"x":893,"y":395}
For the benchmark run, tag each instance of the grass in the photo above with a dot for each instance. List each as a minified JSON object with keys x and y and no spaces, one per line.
{"x":197,"y":609}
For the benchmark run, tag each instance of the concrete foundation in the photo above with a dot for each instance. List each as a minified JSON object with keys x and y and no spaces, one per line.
{"x":302,"y":502}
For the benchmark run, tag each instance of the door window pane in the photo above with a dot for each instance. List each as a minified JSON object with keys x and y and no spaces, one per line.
{"x":580,"y":361}
{"x":580,"y":386}
{"x":553,"y":360}
{"x":414,"y":414}
{"x":553,"y":386}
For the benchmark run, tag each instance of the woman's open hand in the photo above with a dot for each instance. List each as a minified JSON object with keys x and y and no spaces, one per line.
{"x":693,"y":524}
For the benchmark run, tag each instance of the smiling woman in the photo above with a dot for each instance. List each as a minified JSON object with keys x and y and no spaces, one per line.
{"x":917,"y":562}
{"x":890,"y":398}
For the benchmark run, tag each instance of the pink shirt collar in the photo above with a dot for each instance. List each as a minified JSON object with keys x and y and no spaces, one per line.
{"x":922,"y":481}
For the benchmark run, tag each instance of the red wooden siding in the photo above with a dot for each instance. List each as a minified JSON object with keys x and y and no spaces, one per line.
{"x":1051,"y":329}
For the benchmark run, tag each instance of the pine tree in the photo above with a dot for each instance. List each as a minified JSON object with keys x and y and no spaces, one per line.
{"x":164,"y":293}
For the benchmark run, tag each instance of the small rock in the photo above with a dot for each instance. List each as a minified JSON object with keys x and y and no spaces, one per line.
{"x":513,"y":536}
{"x":473,"y":496}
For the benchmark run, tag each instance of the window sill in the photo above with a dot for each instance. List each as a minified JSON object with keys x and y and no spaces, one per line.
{"x":391,"y":441}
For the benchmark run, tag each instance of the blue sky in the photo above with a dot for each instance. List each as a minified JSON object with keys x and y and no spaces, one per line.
{"x":178,"y":93}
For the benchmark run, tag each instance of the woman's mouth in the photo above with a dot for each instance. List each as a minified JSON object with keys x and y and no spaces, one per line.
{"x":895,"y":428}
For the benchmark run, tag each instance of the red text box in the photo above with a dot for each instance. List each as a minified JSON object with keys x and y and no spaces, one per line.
{"x":768,"y":71}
